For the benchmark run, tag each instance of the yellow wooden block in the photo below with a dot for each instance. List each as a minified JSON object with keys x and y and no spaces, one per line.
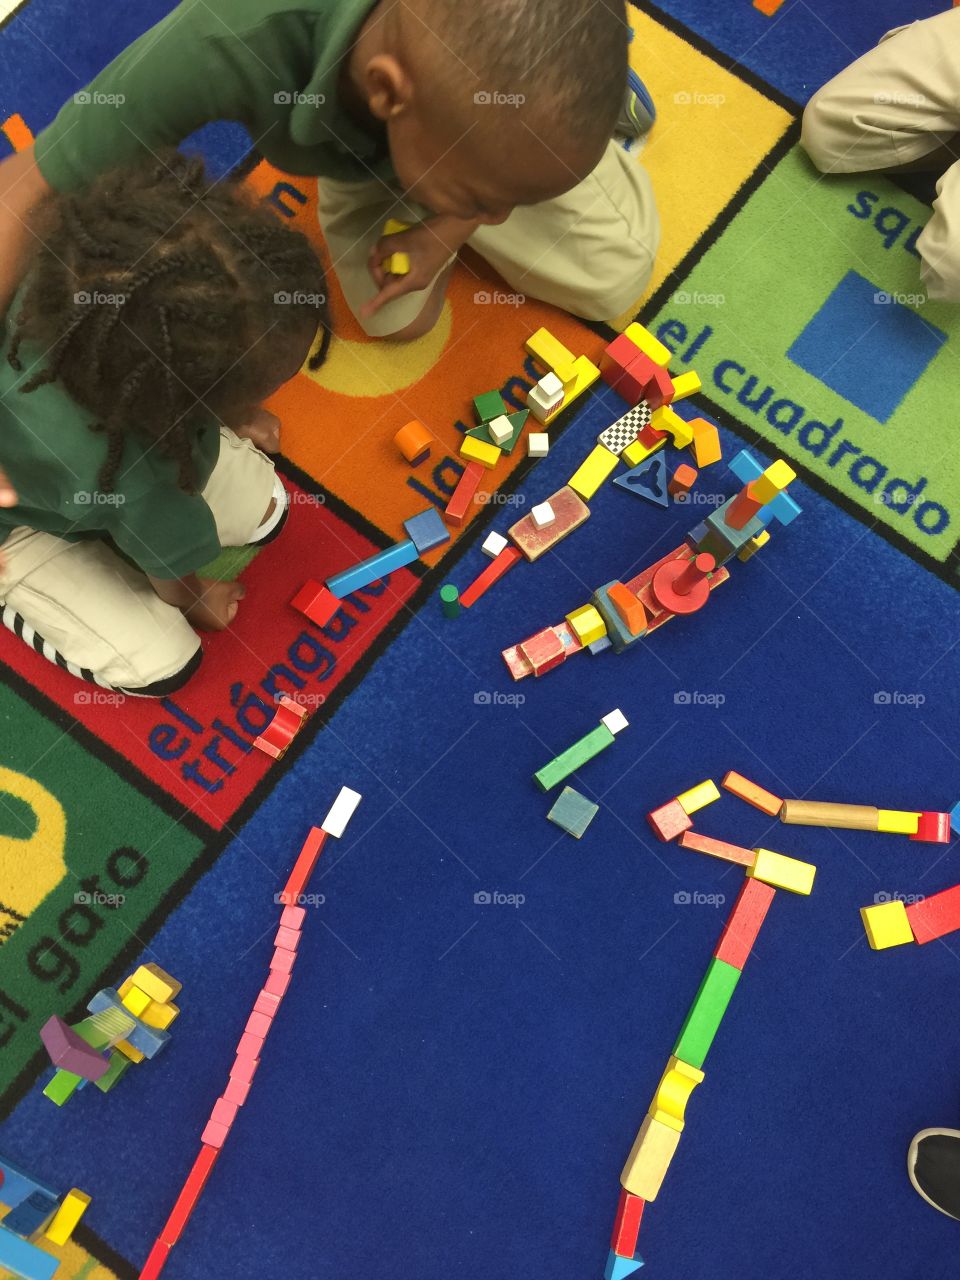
{"x":72,"y":1209}
{"x":773,"y":481}
{"x":588,"y":624}
{"x":687,"y":384}
{"x":592,"y":472}
{"x":649,"y":1159}
{"x":398,"y":264}
{"x":782,"y":872}
{"x":586,"y":375}
{"x":697,"y":797}
{"x":550,"y":351}
{"x":394,"y":226}
{"x":750,"y":549}
{"x":488,"y":455}
{"x":136,"y":1000}
{"x":128,"y":1051}
{"x":567,"y":373}
{"x":648,"y":344}
{"x":899,"y":822}
{"x":636,"y":453}
{"x":664,"y":419}
{"x":673,"y":1092}
{"x":156,"y":982}
{"x":887,"y":925}
{"x":160,"y":1015}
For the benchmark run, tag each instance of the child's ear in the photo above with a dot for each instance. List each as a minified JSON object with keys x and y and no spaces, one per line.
{"x":389,"y":88}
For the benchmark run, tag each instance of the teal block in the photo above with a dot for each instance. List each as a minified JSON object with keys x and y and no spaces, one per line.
{"x":955,"y":818}
{"x":25,"y":1259}
{"x":488,"y":406}
{"x":573,"y":812}
{"x":372,"y":570}
{"x":782,"y":508}
{"x":427,"y":530}
{"x":617,"y":631}
{"x":31,"y":1214}
{"x":745,"y":466}
{"x":733,"y":540}
{"x":18,"y":1185}
{"x":617,"y":1268}
{"x":149,"y":1040}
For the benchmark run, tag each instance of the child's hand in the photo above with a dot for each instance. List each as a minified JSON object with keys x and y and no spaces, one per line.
{"x":430,"y":246}
{"x":216,"y":605}
{"x":8,"y":495}
{"x":262,"y":429}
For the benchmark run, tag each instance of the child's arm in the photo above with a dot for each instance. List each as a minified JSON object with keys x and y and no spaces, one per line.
{"x":206,"y":603}
{"x":22,"y":186}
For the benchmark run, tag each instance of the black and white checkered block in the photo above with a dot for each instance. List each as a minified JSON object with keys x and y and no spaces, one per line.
{"x":626,"y":429}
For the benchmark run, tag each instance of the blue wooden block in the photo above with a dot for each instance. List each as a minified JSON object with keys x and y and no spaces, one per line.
{"x":617,"y":1268}
{"x":25,"y":1259}
{"x":745,"y":466}
{"x":782,"y":508}
{"x":18,"y":1185}
{"x":427,"y":530}
{"x":372,"y":570}
{"x":617,"y":631}
{"x":649,"y":480}
{"x":149,"y":1040}
{"x":598,"y":646}
{"x":31,"y":1214}
{"x":955,"y":818}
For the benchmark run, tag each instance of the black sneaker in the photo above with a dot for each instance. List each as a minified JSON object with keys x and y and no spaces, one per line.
{"x":933,"y":1163}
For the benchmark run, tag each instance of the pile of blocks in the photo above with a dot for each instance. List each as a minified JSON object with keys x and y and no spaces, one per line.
{"x":35,"y":1213}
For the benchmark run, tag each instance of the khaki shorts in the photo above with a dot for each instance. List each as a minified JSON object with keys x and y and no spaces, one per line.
{"x":590,"y":251}
{"x":86,"y":608}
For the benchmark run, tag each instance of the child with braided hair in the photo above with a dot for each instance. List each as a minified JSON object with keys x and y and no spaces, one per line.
{"x":157,"y":313}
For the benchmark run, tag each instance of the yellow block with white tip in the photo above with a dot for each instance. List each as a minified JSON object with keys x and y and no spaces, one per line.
{"x":673,"y":1093}
{"x":585,"y":374}
{"x":750,"y":549}
{"x":649,"y":1159}
{"x":886,"y":924}
{"x":488,"y":455}
{"x":782,"y":872}
{"x":160,"y":1015}
{"x":698,"y":797}
{"x":592,"y":472}
{"x":648,"y":344}
{"x":588,"y":624}
{"x":774,"y":480}
{"x":136,"y":1001}
{"x":664,"y":419}
{"x":156,"y":982}
{"x":687,"y":384}
{"x":898,"y":822}
{"x":72,"y":1208}
{"x":636,"y":452}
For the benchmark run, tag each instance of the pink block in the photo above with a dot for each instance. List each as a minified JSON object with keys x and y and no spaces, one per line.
{"x":293,"y":917}
{"x":244,"y":1069}
{"x":214,"y":1135}
{"x":250,"y":1046}
{"x":236,"y":1091}
{"x":267,"y":1003}
{"x":258,"y":1024}
{"x":283,"y":960}
{"x":277,"y":983}
{"x":289,"y":939}
{"x":224,"y":1112}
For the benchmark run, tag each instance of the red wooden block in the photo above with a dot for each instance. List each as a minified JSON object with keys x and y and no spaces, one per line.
{"x":244,"y":1069}
{"x":187,"y":1199}
{"x":156,"y":1261}
{"x":317,"y":602}
{"x":462,"y":497}
{"x":683,"y":586}
{"x":267,"y":1003}
{"x":570,"y":511}
{"x":649,"y":436}
{"x":277,"y":983}
{"x":617,"y":358}
{"x":224,"y":1112}
{"x":669,"y":820}
{"x":215,"y":1134}
{"x":743,"y":925}
{"x":544,"y":651}
{"x":933,"y":827}
{"x":281,"y":731}
{"x":258,"y":1024}
{"x":236,"y":1091}
{"x":283,"y":959}
{"x":289,"y":939}
{"x":494,"y":571}
{"x":683,"y":479}
{"x":717,"y":848}
{"x":658,"y":388}
{"x":626,"y":1225}
{"x":743,"y":508}
{"x":250,"y":1046}
{"x":293,"y":917}
{"x":303,"y":867}
{"x":639,"y":377}
{"x":935,"y":916}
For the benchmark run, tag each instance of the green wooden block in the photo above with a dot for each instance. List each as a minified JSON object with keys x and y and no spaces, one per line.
{"x":450,"y":599}
{"x":103,"y":1030}
{"x":62,"y":1087}
{"x":489,"y":405}
{"x":570,"y":760}
{"x":706,"y":1013}
{"x":517,"y":420}
{"x":573,"y":812}
{"x":119,"y":1065}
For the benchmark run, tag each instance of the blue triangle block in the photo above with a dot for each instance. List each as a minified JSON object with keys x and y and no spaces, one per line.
{"x":649,"y":480}
{"x":618,"y":1267}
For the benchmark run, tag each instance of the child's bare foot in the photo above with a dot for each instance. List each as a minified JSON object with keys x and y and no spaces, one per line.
{"x":216,"y":607}
{"x":262,"y":429}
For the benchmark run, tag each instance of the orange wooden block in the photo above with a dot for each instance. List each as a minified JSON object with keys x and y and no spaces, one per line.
{"x":629,"y":609}
{"x":682,"y":480}
{"x":18,"y":133}
{"x":770,"y":7}
{"x":414,"y":442}
{"x":706,"y":442}
{"x":717,"y":848}
{"x":746,"y":790}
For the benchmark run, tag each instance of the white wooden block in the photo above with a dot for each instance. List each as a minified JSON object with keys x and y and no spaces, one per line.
{"x":546,"y":396}
{"x":538,"y":444}
{"x":493,"y":544}
{"x":551,"y":386}
{"x":615,"y":721}
{"x":335,"y":823}
{"x":542,"y":515}
{"x":500,"y":430}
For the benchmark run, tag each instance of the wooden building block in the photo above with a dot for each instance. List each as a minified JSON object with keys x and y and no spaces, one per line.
{"x":673,"y":1093}
{"x":706,"y":442}
{"x":698,"y":797}
{"x":397,"y":264}
{"x":646,"y":444}
{"x":543,"y":652}
{"x":504,"y":561}
{"x":629,"y":609}
{"x":573,"y":812}
{"x":373,"y":569}
{"x":933,"y":827}
{"x":783,"y":872}
{"x":493,"y":544}
{"x":156,"y":982}
{"x":160,"y":1015}
{"x":698,"y":843}
{"x":753,"y":794}
{"x":649,"y":1159}
{"x":687,"y":384}
{"x":773,"y":481}
{"x":936,"y":916}
{"x":21,"y":1258}
{"x":750,"y":549}
{"x":744,"y":922}
{"x":414,"y":441}
{"x":651,"y":346}
{"x":682,"y":480}
{"x":569,"y":510}
{"x":706,"y":1013}
{"x":898,"y":822}
{"x":669,"y":820}
{"x":316,"y":602}
{"x":542,"y":515}
{"x":817,"y":813}
{"x":617,"y":357}
{"x":575,"y":756}
{"x":136,"y":1001}
{"x":667,"y":419}
{"x":303,"y":868}
{"x":626,"y":1225}
{"x":593,"y":471}
{"x":488,"y":406}
{"x":546,"y":398}
{"x":488,"y":455}
{"x":461,"y":500}
{"x":588,"y":624}
{"x":538,"y":444}
{"x":71,"y":1210}
{"x":426,"y":531}
{"x":548,"y":350}
{"x":886,"y":924}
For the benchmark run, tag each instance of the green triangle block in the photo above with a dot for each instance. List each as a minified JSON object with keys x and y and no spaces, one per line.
{"x":706,"y":1013}
{"x":517,"y":420}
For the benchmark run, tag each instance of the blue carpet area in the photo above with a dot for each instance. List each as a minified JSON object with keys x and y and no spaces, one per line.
{"x":451,"y":1088}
